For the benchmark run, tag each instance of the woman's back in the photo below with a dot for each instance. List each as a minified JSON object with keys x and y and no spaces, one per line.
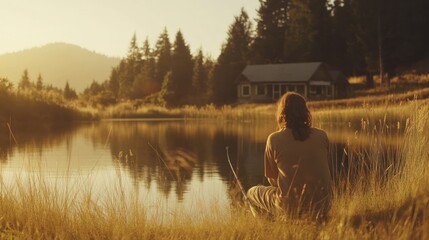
{"x":301,"y":167}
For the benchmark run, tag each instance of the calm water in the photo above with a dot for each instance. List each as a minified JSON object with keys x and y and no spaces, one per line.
{"x":173,"y":167}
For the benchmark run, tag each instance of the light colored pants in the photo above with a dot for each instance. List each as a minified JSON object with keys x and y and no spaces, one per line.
{"x":264,"y":201}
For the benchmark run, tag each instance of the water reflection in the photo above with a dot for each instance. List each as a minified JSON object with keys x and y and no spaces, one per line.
{"x":183,"y":151}
{"x":18,"y":138}
{"x":171,"y":158}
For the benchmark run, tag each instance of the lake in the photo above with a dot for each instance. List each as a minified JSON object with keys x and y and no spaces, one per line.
{"x":172,"y":167}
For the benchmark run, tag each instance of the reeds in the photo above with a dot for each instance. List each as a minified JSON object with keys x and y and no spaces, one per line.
{"x":39,"y":106}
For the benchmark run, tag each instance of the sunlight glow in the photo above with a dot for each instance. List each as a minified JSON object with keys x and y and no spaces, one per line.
{"x":107,"y":26}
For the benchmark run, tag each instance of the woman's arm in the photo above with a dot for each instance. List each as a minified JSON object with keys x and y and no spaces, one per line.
{"x":270,"y":166}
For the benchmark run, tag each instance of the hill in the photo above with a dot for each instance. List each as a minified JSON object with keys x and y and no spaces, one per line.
{"x":58,"y":63}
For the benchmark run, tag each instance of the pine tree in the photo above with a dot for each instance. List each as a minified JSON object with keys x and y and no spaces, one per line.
{"x":270,"y":31}
{"x":67,"y":90}
{"x":181,"y":69}
{"x":200,"y":76}
{"x":163,"y":56}
{"x":365,"y":19}
{"x":5,"y":87}
{"x":307,"y":35}
{"x":134,"y":53}
{"x":125,"y":80}
{"x":209,"y":65}
{"x":135,"y":63}
{"x":25,"y":82}
{"x":69,"y":93}
{"x":113,"y":84}
{"x":232,"y":60}
{"x":129,"y":69}
{"x":148,"y":83}
{"x":39,"y":83}
{"x":138,"y":88}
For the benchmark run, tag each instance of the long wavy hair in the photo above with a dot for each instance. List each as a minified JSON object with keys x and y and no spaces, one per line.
{"x":292,"y":113}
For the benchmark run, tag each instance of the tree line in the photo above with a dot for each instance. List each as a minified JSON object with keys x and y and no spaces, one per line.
{"x":165,"y":74}
{"x":37,"y":89}
{"x":359,"y":37}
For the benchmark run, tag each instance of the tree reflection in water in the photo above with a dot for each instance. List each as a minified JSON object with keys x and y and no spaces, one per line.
{"x":188,"y":151}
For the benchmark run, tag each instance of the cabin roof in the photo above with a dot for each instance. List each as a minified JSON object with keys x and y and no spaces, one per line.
{"x":285,"y":72}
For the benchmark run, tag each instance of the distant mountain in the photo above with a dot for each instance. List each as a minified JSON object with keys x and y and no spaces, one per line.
{"x":58,"y":63}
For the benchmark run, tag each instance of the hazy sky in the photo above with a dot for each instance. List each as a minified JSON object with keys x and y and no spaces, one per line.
{"x":106,"y":26}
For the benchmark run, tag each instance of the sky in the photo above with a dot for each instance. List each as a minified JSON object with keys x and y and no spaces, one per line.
{"x":106,"y":26}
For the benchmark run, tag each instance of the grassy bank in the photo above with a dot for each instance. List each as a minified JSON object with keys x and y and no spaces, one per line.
{"x":39,"y":106}
{"x":394,"y":108}
{"x":243,"y":112}
{"x":373,"y":100}
{"x":375,"y":198}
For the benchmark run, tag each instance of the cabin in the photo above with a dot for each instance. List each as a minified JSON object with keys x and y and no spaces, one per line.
{"x":267,"y":82}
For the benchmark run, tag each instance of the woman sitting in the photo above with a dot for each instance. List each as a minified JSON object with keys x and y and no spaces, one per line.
{"x":296,"y":165}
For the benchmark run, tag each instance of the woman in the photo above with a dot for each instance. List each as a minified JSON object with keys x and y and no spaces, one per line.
{"x":296,"y":165}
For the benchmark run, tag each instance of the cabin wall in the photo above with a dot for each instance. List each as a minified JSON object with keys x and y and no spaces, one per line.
{"x":267,"y":92}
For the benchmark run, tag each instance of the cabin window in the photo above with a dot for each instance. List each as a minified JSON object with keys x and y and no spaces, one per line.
{"x":260,"y":90}
{"x":245,"y":90}
{"x":270,"y":90}
{"x":276,"y":87}
{"x":276,"y":91}
{"x":316,"y":90}
{"x":283,"y":89}
{"x":328,"y":91}
{"x":300,"y":89}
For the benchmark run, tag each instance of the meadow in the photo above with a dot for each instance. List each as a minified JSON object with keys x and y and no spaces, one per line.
{"x":378,"y":194}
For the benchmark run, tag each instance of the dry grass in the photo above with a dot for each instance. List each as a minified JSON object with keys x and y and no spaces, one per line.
{"x":378,"y":195}
{"x":39,"y":106}
{"x":242,"y":112}
{"x":372,"y":101}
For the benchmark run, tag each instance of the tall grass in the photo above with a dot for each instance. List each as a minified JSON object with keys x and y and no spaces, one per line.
{"x":39,"y":106}
{"x":372,"y":100}
{"x":381,"y":182}
{"x":377,"y":195}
